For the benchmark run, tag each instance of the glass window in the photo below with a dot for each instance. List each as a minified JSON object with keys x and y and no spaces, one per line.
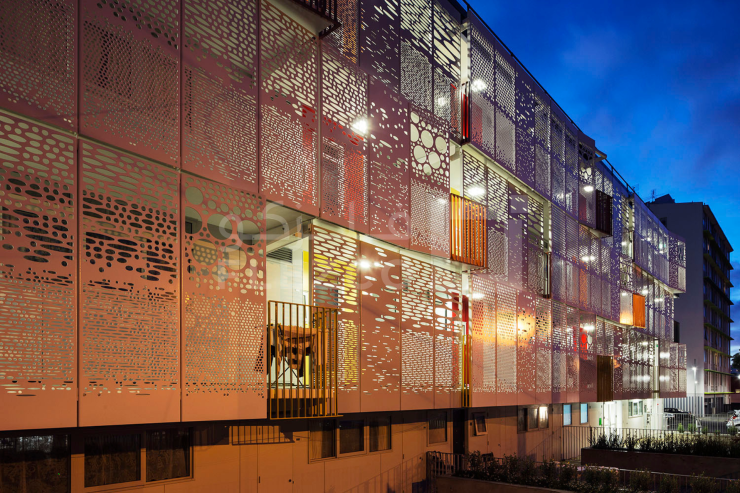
{"x":167,"y":454}
{"x":544,"y":417}
{"x":380,"y":433}
{"x":321,"y":439}
{"x":437,"y":427}
{"x":35,"y":463}
{"x":481,"y":427}
{"x":112,"y":459}
{"x":521,"y":419}
{"x":351,"y":436}
{"x":532,"y":423}
{"x":584,"y":413}
{"x":567,"y":415}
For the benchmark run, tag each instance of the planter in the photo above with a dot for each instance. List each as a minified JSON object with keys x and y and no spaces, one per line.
{"x":450,"y":484}
{"x":657,"y":462}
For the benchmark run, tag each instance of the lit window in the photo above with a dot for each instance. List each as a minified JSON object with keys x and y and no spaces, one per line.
{"x":584,"y":413}
{"x":567,"y":415}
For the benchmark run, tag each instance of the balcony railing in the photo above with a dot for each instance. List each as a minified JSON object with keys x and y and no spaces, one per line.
{"x":302,"y":362}
{"x":468,"y":231}
{"x":324,"y":8}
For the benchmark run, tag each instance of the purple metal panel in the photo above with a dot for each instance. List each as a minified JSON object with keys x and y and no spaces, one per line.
{"x":517,"y":236}
{"x":388,"y":171}
{"x":345,"y":38}
{"x":586,"y":181}
{"x":223,"y":309}
{"x":416,"y":53}
{"x":417,"y":334}
{"x":220,"y":91}
{"x":506,"y":345}
{"x":335,"y":260}
{"x":525,"y":126}
{"x":288,"y":100}
{"x":380,"y":357}
{"x":430,"y":185}
{"x":130,"y":320}
{"x":448,"y":333}
{"x":130,"y":80}
{"x":38,"y":53}
{"x":560,"y":347}
{"x":38,"y":276}
{"x":483,"y":328}
{"x":380,"y":41}
{"x":447,"y":52}
{"x":475,"y":172}
{"x":526,"y":353}
{"x":543,"y":313}
{"x":542,"y":143}
{"x":344,"y":177}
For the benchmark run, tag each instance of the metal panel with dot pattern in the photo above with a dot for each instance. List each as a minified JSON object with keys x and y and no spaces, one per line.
{"x":416,"y":52}
{"x":526,"y":350}
{"x":346,"y":37}
{"x":483,"y":315}
{"x":448,"y":331}
{"x":506,"y":345}
{"x":223,"y":307}
{"x":447,"y":60}
{"x":560,"y":347}
{"x":38,"y":276}
{"x":543,"y":316}
{"x":380,"y":47}
{"x":129,"y":276}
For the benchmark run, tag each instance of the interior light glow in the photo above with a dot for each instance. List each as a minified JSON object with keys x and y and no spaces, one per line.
{"x":476,"y":191}
{"x":364,"y":264}
{"x":478,"y":85}
{"x":360,"y":126}
{"x":588,"y":188}
{"x":441,"y":102}
{"x":478,"y":296}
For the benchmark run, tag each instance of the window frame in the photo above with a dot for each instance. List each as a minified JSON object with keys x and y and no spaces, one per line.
{"x":390,"y":434}
{"x":476,"y":429}
{"x":429,"y":426}
{"x":523,"y":416}
{"x":569,"y":414}
{"x":584,"y":414}
{"x":337,"y":438}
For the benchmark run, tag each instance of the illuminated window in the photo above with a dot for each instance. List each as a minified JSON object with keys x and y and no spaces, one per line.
{"x":567,"y":415}
{"x":584,"y":413}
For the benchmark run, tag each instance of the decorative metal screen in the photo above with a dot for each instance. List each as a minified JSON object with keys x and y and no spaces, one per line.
{"x":483,"y":318}
{"x":346,"y":37}
{"x":447,"y":60}
{"x":416,"y":52}
{"x":129,"y":343}
{"x":38,"y":275}
{"x":506,"y":345}
{"x":526,"y":354}
{"x":288,"y":105}
{"x":468,"y":232}
{"x":38,"y":53}
{"x":525,"y":122}
{"x":380,"y":46}
{"x":220,"y":91}
{"x":544,"y":348}
{"x":380,"y":284}
{"x":223,"y":312}
{"x":447,"y":338}
{"x":587,"y":364}
{"x":560,"y":348}
{"x":130,"y":85}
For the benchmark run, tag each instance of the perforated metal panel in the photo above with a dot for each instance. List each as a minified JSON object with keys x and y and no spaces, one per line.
{"x":38,"y":53}
{"x":506,"y":345}
{"x":498,"y":224}
{"x":572,"y":333}
{"x":587,"y":364}
{"x":288,"y":98}
{"x":474,"y":179}
{"x":129,"y":342}
{"x":335,"y":259}
{"x":446,"y":62}
{"x":525,"y":121}
{"x":417,"y":334}
{"x":380,"y":301}
{"x":416,"y":52}
{"x":526,"y":354}
{"x":130,"y":81}
{"x":380,"y":46}
{"x":482,"y":88}
{"x":223,"y":304}
{"x":346,"y":37}
{"x":483,"y":326}
{"x":220,"y":91}
{"x":560,"y":347}
{"x":447,"y":338}
{"x":344,"y":177}
{"x":38,"y":280}
{"x":543,"y":316}
{"x":388,"y":171}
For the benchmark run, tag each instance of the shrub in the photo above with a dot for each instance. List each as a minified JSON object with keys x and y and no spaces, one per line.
{"x":641,"y":481}
{"x":692,"y":428}
{"x":630,"y":442}
{"x":591,"y":477}
{"x":680,"y":428}
{"x":549,"y":477}
{"x":647,"y":444}
{"x":527,"y":471}
{"x":704,"y":430}
{"x":703,"y":484}
{"x":510,"y":469}
{"x":733,"y":486}
{"x":668,"y":484}
{"x":609,"y":480}
{"x":568,"y":475}
{"x":732,"y":430}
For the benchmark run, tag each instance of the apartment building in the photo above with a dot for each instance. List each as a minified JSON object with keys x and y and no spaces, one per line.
{"x":703,"y":311}
{"x":268,"y":245}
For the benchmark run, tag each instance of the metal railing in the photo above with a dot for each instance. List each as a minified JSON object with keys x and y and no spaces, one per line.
{"x":326,"y":9}
{"x":302,"y":360}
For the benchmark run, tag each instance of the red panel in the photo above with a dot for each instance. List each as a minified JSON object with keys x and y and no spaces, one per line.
{"x":380,"y":283}
{"x":288,"y":99}
{"x":38,"y":288}
{"x":220,"y":91}
{"x":223,"y":312}
{"x":483,"y":326}
{"x":543,"y":312}
{"x":506,"y":345}
{"x":335,"y":285}
{"x":430,"y":184}
{"x":526,"y":354}
{"x":448,"y":329}
{"x":417,"y":335}
{"x":343,"y":147}
{"x":130,"y":76}
{"x":38,"y":53}
{"x":388,"y":170}
{"x":130,"y":290}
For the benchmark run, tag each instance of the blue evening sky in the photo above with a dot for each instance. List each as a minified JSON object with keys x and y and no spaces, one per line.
{"x":656,"y":84}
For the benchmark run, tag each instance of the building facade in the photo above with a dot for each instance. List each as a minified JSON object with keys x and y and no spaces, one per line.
{"x":266,"y":245}
{"x":703,"y":311}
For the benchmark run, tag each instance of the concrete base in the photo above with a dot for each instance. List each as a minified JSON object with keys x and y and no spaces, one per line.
{"x":656,"y":462}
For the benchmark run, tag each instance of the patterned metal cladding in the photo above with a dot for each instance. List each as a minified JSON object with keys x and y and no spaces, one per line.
{"x":223,"y":302}
{"x":220,"y":91}
{"x":346,"y":37}
{"x":560,"y":347}
{"x":344,"y":178}
{"x":380,"y":301}
{"x":544,"y":349}
{"x":38,"y":53}
{"x":129,"y":341}
{"x":448,"y":334}
{"x":416,"y":52}
{"x":506,"y":345}
{"x":38,"y":275}
{"x":446,"y":62}
{"x":288,"y":105}
{"x":526,"y":350}
{"x":380,"y":41}
{"x":483,"y":332}
{"x":130,"y":81}
{"x":525,"y":125}
{"x":587,"y":365}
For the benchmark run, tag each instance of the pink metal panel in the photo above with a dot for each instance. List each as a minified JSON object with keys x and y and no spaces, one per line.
{"x":483,"y":318}
{"x":220,"y":91}
{"x":447,"y":338}
{"x":447,"y":61}
{"x":543,"y":313}
{"x":587,"y":195}
{"x":587,"y":365}
{"x":474,"y":179}
{"x":542,"y":143}
{"x":38,"y":53}
{"x":560,"y":348}
{"x":505,"y":110}
{"x":380,"y":47}
{"x":572,"y":333}
{"x":430,"y":185}
{"x":38,"y":280}
{"x":130,"y":87}
{"x":506,"y":345}
{"x":571,"y":172}
{"x":288,"y":103}
{"x":516,"y":235}
{"x":388,"y":170}
{"x":223,"y":312}
{"x":526,"y":354}
{"x":129,"y":341}
{"x":380,"y":357}
{"x":482,"y":87}
{"x":334,"y":258}
{"x":498,"y":224}
{"x":416,"y":52}
{"x":525,"y":123}
{"x":344,"y":177}
{"x":417,"y":335}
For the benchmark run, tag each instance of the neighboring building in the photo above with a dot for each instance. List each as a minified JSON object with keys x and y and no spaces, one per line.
{"x":704,"y":309}
{"x":239,"y":255}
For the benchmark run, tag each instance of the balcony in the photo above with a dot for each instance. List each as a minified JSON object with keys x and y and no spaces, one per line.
{"x":318,"y":16}
{"x":468,"y":231}
{"x":302,"y":371}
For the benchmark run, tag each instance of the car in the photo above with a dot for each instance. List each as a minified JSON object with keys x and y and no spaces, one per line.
{"x":734,"y":420}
